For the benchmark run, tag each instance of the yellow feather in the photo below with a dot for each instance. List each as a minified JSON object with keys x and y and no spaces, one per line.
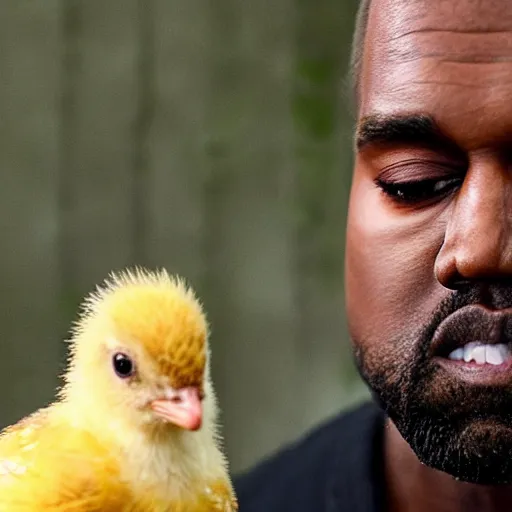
{"x":97,"y":449}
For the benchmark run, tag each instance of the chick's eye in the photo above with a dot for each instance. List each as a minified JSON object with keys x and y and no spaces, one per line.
{"x":123,"y":365}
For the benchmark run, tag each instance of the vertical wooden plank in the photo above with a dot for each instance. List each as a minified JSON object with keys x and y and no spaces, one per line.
{"x":101,"y":143}
{"x":247,"y":219}
{"x":323,"y":159}
{"x":143,"y":123}
{"x":176,"y":137}
{"x":29,"y":139}
{"x":216,"y":204}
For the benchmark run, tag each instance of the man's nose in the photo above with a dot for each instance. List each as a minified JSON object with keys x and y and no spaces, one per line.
{"x":478,"y":238}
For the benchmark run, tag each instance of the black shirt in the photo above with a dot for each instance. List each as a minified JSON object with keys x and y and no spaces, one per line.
{"x":336,"y":468}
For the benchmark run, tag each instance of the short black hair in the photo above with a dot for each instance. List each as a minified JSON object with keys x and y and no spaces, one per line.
{"x":358,"y":48}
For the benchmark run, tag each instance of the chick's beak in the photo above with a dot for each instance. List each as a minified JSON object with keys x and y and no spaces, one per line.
{"x":183,"y":408}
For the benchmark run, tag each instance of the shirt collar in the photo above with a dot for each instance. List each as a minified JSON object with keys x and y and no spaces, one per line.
{"x":356,"y":481}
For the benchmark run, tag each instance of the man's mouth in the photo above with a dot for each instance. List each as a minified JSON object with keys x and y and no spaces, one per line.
{"x":482,"y":353}
{"x":474,"y":344}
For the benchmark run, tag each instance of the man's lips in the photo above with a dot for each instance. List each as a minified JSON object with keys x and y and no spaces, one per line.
{"x":472,"y":323}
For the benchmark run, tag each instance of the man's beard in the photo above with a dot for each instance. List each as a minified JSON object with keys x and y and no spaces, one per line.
{"x":463,"y":430}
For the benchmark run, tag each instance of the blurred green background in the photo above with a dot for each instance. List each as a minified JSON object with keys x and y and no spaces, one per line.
{"x":209,"y":137}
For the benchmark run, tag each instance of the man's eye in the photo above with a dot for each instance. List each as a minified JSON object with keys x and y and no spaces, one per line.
{"x":417,"y":191}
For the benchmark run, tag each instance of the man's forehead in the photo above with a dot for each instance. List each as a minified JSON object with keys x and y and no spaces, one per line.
{"x":400,"y":31}
{"x":422,"y":52}
{"x":401,"y":16}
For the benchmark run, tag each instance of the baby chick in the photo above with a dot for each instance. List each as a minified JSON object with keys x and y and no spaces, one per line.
{"x":134,"y":428}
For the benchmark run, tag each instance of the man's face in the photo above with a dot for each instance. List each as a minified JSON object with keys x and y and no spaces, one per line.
{"x":429,"y":240}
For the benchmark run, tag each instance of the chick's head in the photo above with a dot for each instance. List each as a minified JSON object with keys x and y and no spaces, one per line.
{"x":140,"y":351}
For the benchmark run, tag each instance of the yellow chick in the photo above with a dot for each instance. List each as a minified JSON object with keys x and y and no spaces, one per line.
{"x":134,"y":428}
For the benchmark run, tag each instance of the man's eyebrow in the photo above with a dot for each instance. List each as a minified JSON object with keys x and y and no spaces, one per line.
{"x":399,"y":129}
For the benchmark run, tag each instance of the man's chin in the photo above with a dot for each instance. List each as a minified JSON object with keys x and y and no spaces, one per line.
{"x":459,"y":429}
{"x":479,"y":452}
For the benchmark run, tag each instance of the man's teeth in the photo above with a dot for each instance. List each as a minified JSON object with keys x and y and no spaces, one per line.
{"x":481,"y":353}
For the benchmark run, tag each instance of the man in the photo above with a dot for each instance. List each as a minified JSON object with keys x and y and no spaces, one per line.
{"x":428,"y":268}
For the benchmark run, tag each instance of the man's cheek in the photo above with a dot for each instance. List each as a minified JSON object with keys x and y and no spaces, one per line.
{"x":385,"y":282}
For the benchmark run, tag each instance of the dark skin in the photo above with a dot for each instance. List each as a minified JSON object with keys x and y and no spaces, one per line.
{"x":435,"y":109}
